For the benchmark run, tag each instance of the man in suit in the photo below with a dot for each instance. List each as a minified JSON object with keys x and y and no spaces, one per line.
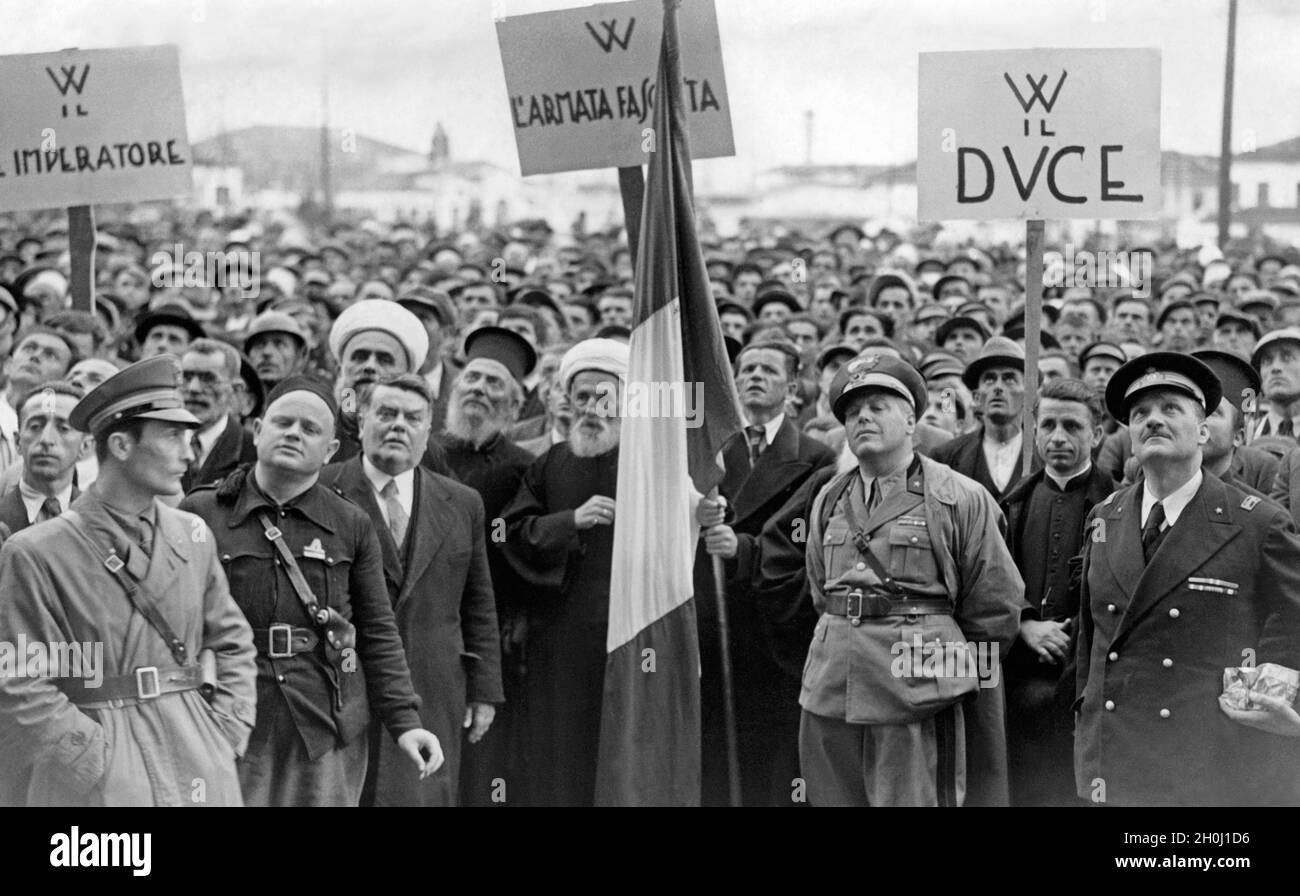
{"x":50,"y":449}
{"x":437,"y":315}
{"x":991,"y":453}
{"x":1277,"y":358}
{"x":1182,"y":577}
{"x":764,"y":465}
{"x":431,"y":534}
{"x":209,"y":370}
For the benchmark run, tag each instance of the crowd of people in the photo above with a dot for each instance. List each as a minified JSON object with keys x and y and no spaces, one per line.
{"x":343,"y":530}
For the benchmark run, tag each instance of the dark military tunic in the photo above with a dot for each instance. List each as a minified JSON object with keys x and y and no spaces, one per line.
{"x":565,"y":576}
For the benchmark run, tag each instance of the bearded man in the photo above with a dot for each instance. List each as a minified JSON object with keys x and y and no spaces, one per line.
{"x":560,"y":543}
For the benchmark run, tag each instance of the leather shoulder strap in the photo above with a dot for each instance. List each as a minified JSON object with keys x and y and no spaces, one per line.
{"x":300,"y":586}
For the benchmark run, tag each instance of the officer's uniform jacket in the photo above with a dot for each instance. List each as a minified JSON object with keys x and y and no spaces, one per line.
{"x":335,"y":546}
{"x":1222,"y":590}
{"x":937,"y":534}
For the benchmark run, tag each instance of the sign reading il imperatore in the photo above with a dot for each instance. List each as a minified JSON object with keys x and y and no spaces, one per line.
{"x":1039,"y":134}
{"x":581,"y":84}
{"x":86,"y":126}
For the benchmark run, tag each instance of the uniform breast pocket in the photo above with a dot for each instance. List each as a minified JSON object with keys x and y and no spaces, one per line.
{"x":335,"y":570}
{"x":835,"y":542}
{"x":251,"y":576}
{"x":911,"y":556}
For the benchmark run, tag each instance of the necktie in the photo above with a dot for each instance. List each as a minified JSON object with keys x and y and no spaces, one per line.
{"x":196,"y":447}
{"x":873,"y":496}
{"x":755,"y":435}
{"x":50,"y":508}
{"x":397,"y":518}
{"x":1151,"y":534}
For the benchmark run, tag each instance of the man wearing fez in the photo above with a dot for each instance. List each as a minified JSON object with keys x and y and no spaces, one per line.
{"x":1045,"y":513}
{"x":432,"y":536}
{"x":142,"y":582}
{"x":277,"y":346}
{"x":484,"y":399}
{"x":904,"y":555}
{"x":991,"y":453}
{"x":1183,"y":576}
{"x":764,"y":465}
{"x":305,"y":566}
{"x":50,"y":449}
{"x":559,"y":543}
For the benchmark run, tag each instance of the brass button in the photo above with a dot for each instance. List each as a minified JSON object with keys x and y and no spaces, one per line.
{"x":861,"y":565}
{"x":1110,"y":608}
{"x":1112,"y":656}
{"x":913,"y":539}
{"x":1110,"y":706}
{"x":1164,"y":713}
{"x":1166,"y":662}
{"x":1174,"y":614}
{"x":280,"y":678}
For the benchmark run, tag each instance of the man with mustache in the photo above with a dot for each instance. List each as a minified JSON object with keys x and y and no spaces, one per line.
{"x":991,"y":453}
{"x":1183,"y":576}
{"x":209,"y":370}
{"x":305,"y":567}
{"x":277,"y":346}
{"x":122,"y":569}
{"x":559,"y":542}
{"x":485,"y":398}
{"x":433,"y":538}
{"x":50,"y":449}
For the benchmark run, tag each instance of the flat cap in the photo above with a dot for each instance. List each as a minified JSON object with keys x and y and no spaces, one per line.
{"x":506,"y":347}
{"x":878,"y":370}
{"x":1286,"y":334}
{"x":958,"y":323}
{"x":387,"y":317}
{"x":831,"y":352}
{"x":1102,"y":349}
{"x":274,"y":322}
{"x":1233,"y":316}
{"x":1240,"y":381}
{"x":775,"y":297}
{"x":429,"y":299}
{"x":1162,"y":370}
{"x":172,"y":315}
{"x":146,"y":390}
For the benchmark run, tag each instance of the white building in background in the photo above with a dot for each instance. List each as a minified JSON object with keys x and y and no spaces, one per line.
{"x":218,"y":187}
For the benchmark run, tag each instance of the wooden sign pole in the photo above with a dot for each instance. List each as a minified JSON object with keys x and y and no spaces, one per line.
{"x":1033,"y":333}
{"x":81,"y":249}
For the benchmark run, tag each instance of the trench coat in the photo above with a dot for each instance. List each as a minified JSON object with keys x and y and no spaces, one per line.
{"x":176,"y":750}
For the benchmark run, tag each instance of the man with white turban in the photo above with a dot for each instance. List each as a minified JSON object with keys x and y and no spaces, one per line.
{"x":560,"y":543}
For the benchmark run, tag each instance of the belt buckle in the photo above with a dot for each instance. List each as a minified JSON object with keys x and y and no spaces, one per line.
{"x":854,"y":615}
{"x":147,"y":686}
{"x":285,"y":632}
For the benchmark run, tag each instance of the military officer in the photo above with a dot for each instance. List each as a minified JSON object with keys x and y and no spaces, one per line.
{"x":140,"y":582}
{"x":919,"y":598}
{"x":306,"y":568}
{"x":1184,"y":575}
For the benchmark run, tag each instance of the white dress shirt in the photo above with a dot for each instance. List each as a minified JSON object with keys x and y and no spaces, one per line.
{"x":770,"y":429}
{"x":32,"y":499}
{"x":208,"y":438}
{"x":379,"y":479}
{"x":1174,"y":503}
{"x":434,"y":380}
{"x":1001,"y":458}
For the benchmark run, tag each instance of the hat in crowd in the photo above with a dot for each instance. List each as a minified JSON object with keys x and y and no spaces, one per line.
{"x":274,"y":322}
{"x":877,"y":370}
{"x":958,"y":323}
{"x":536,"y":298}
{"x":1182,"y":278}
{"x":1239,"y":380}
{"x":776,"y":296}
{"x":831,"y":352}
{"x":1199,"y":298}
{"x":253,"y":383}
{"x":1102,"y":349}
{"x":1016,"y":332}
{"x":603,"y":354}
{"x":1256,"y":297}
{"x":1286,"y":334}
{"x":303,"y":383}
{"x":428,"y":299}
{"x":172,"y":315}
{"x":8,"y":301}
{"x":997,"y":352}
{"x":938,"y":363}
{"x":1171,"y":308}
{"x":1246,"y":320}
{"x":386,"y":317}
{"x":506,"y":347}
{"x":1162,"y":370}
{"x":886,"y":279}
{"x":730,"y":307}
{"x":146,"y":390}
{"x":930,"y":311}
{"x":937,"y":289}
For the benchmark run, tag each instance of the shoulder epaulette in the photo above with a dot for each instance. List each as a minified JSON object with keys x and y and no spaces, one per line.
{"x":1249,"y":502}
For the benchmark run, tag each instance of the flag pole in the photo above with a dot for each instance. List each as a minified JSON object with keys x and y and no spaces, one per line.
{"x":728,"y":698}
{"x":81,"y":254}
{"x":1033,"y":339}
{"x":631,"y":184}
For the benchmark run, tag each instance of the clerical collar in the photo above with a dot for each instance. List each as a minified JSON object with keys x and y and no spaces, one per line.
{"x":1071,"y":482}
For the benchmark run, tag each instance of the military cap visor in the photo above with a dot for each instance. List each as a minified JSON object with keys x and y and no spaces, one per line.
{"x":146,"y":390}
{"x":880,"y":372}
{"x":1162,"y":370}
{"x":1239,"y":380}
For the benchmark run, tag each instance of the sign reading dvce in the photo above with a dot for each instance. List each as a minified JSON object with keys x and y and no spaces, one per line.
{"x":581,"y":84}
{"x":1039,"y":134}
{"x":81,"y":127}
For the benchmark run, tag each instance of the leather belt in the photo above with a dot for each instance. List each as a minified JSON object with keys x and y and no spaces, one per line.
{"x":144,"y":684}
{"x":282,"y":640}
{"x":858,"y":606}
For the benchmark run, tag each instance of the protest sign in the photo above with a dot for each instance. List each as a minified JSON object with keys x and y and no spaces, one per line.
{"x":1045,"y":133}
{"x":81,"y":127}
{"x":581,"y":84}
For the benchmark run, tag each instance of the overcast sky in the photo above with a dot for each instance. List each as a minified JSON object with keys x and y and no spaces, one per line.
{"x":395,"y":67}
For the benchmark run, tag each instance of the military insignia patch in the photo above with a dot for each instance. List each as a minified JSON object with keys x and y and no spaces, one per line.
{"x":1249,"y":503}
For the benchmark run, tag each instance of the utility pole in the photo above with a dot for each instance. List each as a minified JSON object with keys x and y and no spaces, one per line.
{"x":1225,"y":146}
